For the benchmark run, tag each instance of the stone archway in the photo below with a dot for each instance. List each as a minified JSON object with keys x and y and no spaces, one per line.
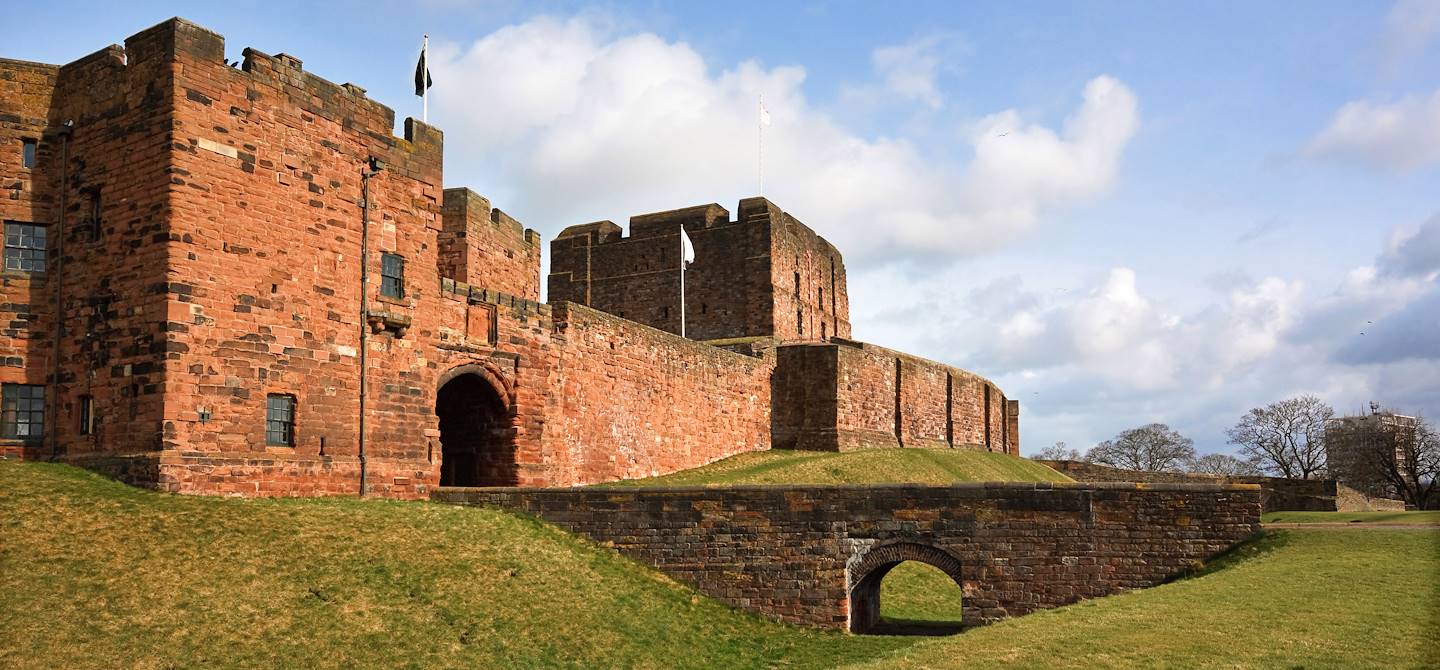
{"x":477,"y":429}
{"x":867,"y":570}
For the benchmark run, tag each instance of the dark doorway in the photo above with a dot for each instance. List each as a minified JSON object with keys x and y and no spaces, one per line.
{"x":477,"y":434}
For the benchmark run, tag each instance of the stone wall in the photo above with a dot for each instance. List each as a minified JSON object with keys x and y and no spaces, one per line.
{"x":633,"y":401}
{"x":482,"y":246}
{"x":1279,"y":493}
{"x":763,"y":274}
{"x":815,"y":554}
{"x":845,"y":395}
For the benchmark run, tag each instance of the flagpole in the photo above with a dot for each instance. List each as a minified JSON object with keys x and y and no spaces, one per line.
{"x":760,"y":147}
{"x":425,"y":97}
{"x":682,"y":282}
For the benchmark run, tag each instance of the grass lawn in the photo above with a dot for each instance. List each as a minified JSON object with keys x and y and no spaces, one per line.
{"x":865,"y":466}
{"x":95,"y":574}
{"x":1322,"y":598}
{"x":1428,"y":518}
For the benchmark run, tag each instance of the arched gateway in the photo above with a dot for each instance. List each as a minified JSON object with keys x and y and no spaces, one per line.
{"x":867,"y":570}
{"x":477,"y":430}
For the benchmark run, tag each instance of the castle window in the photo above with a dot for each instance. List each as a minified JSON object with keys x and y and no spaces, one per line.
{"x":23,"y":415}
{"x":24,"y":247}
{"x":28,"y":150}
{"x":392,"y":275}
{"x":664,"y":312}
{"x":280,"y":420}
{"x":95,"y":210}
{"x":822,"y":330}
{"x":800,"y":321}
{"x":87,"y":415}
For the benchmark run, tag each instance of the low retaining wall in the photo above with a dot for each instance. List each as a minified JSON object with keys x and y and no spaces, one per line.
{"x":815,"y":554}
{"x":1280,"y":494}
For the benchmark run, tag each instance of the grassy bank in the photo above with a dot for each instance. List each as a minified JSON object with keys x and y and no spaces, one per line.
{"x":866,"y":466}
{"x":95,"y":574}
{"x":1428,"y":518}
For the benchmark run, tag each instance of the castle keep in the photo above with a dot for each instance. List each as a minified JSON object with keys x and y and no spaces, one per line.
{"x":236,"y":280}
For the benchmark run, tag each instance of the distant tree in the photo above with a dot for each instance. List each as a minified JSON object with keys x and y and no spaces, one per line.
{"x":1059,"y":452}
{"x":1409,"y":460}
{"x":1154,"y":447}
{"x":1224,"y":465}
{"x":1286,"y":438}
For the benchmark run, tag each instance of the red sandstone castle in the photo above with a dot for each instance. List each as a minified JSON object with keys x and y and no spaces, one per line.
{"x":236,"y":280}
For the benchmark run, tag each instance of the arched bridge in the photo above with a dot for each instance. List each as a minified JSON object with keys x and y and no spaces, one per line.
{"x":816,"y":554}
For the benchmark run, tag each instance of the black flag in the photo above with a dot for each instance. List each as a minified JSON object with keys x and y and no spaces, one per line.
{"x":422,"y":75}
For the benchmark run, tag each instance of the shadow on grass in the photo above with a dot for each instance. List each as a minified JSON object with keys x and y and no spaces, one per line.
{"x":915,"y":627}
{"x":1259,"y":545}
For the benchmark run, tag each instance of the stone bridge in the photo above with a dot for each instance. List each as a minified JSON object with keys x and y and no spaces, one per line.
{"x":816,"y":554}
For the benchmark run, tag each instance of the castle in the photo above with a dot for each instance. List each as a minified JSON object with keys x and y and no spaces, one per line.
{"x":236,"y":280}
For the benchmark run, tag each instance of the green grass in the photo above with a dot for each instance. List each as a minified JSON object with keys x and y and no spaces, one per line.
{"x":1428,"y":518}
{"x":94,"y":574}
{"x":1323,"y":598}
{"x":865,"y":466}
{"x":917,"y":593}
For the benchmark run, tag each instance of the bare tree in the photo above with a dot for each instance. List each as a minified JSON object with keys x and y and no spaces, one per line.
{"x":1059,"y":452}
{"x":1154,"y":447}
{"x":1286,"y":438}
{"x":1224,"y":465}
{"x":1408,"y":459}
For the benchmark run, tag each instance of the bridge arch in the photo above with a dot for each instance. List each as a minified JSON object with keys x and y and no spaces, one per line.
{"x":476,"y":409}
{"x":865,"y":572}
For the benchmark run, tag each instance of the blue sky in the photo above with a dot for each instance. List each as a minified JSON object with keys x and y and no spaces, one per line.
{"x":1121,"y":212}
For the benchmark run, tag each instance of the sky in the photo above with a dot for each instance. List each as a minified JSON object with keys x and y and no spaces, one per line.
{"x":1120,"y":212}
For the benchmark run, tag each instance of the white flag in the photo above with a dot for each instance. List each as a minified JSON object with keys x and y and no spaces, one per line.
{"x":764,"y":114}
{"x":687,"y":251}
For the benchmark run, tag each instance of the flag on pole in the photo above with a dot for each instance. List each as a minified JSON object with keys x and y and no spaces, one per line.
{"x":764,"y":114}
{"x":422,"y":72}
{"x":687,"y":250}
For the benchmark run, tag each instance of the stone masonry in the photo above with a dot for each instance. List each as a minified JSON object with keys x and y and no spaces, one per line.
{"x":207,"y":262}
{"x":816,"y":554}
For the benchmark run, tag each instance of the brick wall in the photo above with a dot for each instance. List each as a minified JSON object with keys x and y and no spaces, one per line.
{"x":847,"y":395}
{"x":107,"y":272}
{"x":743,"y":282}
{"x":632,"y":401}
{"x":483,"y":246}
{"x":816,"y":554}
{"x":1279,"y":494}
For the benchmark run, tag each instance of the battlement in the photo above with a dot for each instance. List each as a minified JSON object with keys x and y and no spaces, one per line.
{"x":484,"y":246}
{"x":762,"y":273}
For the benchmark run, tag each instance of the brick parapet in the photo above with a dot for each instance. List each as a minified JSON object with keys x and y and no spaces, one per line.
{"x":804,"y":553}
{"x":1279,"y":493}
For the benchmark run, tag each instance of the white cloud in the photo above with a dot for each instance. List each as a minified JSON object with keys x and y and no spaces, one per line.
{"x":626,"y":124}
{"x":909,"y":70}
{"x":1400,"y":135}
{"x":1410,"y":27}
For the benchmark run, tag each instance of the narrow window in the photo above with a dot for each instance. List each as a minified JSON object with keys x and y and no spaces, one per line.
{"x":822,"y":300}
{"x":392,"y":275}
{"x":28,"y":150}
{"x":24,"y":247}
{"x":797,"y":284}
{"x":280,"y":420}
{"x":93,"y":224}
{"x":664,"y":312}
{"x":800,"y":322}
{"x":87,"y":415}
{"x":822,"y":330}
{"x":23,"y":411}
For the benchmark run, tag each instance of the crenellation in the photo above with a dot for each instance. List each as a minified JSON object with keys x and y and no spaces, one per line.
{"x":234,"y":252}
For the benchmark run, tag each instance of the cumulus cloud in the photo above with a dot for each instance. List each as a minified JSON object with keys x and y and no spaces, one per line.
{"x":1416,"y":254}
{"x":622,"y":124}
{"x":1399,"y":135}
